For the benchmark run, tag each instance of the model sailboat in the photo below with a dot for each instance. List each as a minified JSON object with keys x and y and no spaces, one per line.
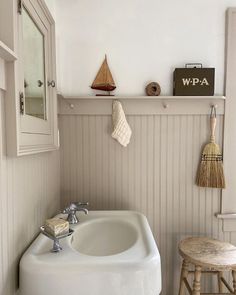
{"x":104,"y":80}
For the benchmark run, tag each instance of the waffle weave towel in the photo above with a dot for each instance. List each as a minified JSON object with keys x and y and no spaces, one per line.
{"x":121,"y":129}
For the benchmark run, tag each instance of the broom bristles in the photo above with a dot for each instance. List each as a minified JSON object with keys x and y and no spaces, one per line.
{"x":210,"y":172}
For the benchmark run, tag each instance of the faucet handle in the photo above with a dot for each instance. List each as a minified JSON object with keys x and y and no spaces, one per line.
{"x":79,"y":204}
{"x":71,"y":211}
{"x":74,"y":206}
{"x":67,"y":210}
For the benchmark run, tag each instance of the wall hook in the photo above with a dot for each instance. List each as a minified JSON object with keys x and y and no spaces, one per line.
{"x":215,"y":106}
{"x":213,"y":110}
{"x":165,"y":106}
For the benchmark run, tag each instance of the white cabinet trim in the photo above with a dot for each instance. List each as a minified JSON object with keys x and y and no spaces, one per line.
{"x":18,"y":142}
{"x":228,"y":201}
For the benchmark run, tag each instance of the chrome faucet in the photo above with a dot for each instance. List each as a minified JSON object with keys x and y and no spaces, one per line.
{"x":72,"y":209}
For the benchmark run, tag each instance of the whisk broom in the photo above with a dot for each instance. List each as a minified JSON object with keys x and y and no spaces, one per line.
{"x":210,"y":172}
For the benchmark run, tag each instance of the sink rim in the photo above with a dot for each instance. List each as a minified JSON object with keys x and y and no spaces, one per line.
{"x":69,"y":263}
{"x":70,"y":257}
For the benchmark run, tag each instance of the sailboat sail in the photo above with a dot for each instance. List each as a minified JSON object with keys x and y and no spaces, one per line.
{"x":104,"y":79}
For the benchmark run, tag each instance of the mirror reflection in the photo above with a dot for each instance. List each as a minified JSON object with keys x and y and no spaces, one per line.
{"x":34,"y":71}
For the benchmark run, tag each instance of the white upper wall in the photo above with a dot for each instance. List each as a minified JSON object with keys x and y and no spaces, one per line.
{"x":144,"y":40}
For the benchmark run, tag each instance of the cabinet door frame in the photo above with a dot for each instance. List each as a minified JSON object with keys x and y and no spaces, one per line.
{"x":31,"y":124}
{"x":27,"y":140}
{"x":228,"y":200}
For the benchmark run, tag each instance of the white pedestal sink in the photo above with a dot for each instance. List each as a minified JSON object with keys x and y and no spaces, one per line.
{"x":110,"y":253}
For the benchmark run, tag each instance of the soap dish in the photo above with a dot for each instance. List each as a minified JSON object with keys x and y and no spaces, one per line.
{"x":56,"y":245}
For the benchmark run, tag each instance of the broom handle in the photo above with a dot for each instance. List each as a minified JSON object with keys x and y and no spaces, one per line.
{"x":213,"y":127}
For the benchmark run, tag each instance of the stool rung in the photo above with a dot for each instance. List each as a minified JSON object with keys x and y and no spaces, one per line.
{"x":222,"y":279}
{"x":215,"y":272}
{"x":227,"y":285}
{"x":187,"y":286}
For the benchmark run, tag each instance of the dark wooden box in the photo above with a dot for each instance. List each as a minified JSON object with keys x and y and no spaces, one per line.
{"x":194,"y":81}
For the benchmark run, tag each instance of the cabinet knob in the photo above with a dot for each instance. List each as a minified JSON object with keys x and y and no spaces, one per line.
{"x":52,"y":83}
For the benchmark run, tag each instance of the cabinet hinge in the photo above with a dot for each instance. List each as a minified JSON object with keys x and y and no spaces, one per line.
{"x":19,"y":6}
{"x":22,"y":103}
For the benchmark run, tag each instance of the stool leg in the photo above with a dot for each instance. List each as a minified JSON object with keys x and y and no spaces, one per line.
{"x":234,"y":280}
{"x":184,"y":274}
{"x":197,"y":280}
{"x":220,"y":283}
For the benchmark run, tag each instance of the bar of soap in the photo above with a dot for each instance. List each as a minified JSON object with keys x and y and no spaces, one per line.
{"x":56,"y":226}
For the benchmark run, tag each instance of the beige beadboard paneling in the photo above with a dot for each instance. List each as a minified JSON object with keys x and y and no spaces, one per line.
{"x":155,"y":174}
{"x":29,"y":193}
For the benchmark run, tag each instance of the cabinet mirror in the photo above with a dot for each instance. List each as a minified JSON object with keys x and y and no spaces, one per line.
{"x":34,"y":67}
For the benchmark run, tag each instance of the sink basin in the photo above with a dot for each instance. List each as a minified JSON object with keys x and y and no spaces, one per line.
{"x":110,"y":252}
{"x":103,"y":238}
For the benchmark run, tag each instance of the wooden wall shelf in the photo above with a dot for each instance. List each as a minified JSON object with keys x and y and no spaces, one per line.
{"x":226,"y":216}
{"x":143,"y":97}
{"x":141,"y":105}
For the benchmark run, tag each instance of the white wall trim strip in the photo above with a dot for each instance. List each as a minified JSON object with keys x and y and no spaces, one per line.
{"x":141,"y":105}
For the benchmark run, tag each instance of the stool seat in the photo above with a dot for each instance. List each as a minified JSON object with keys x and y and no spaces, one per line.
{"x":208,"y":253}
{"x":208,"y":256}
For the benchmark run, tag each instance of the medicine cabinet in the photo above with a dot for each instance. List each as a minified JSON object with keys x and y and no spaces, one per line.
{"x":31,"y":100}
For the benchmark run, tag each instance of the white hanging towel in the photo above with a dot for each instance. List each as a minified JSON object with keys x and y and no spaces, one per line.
{"x":121,"y":129}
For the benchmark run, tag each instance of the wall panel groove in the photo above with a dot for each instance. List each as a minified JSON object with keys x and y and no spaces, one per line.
{"x":155,"y":174}
{"x":29,"y":193}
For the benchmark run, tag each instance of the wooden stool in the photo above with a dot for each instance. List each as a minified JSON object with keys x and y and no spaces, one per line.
{"x":208,"y":256}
